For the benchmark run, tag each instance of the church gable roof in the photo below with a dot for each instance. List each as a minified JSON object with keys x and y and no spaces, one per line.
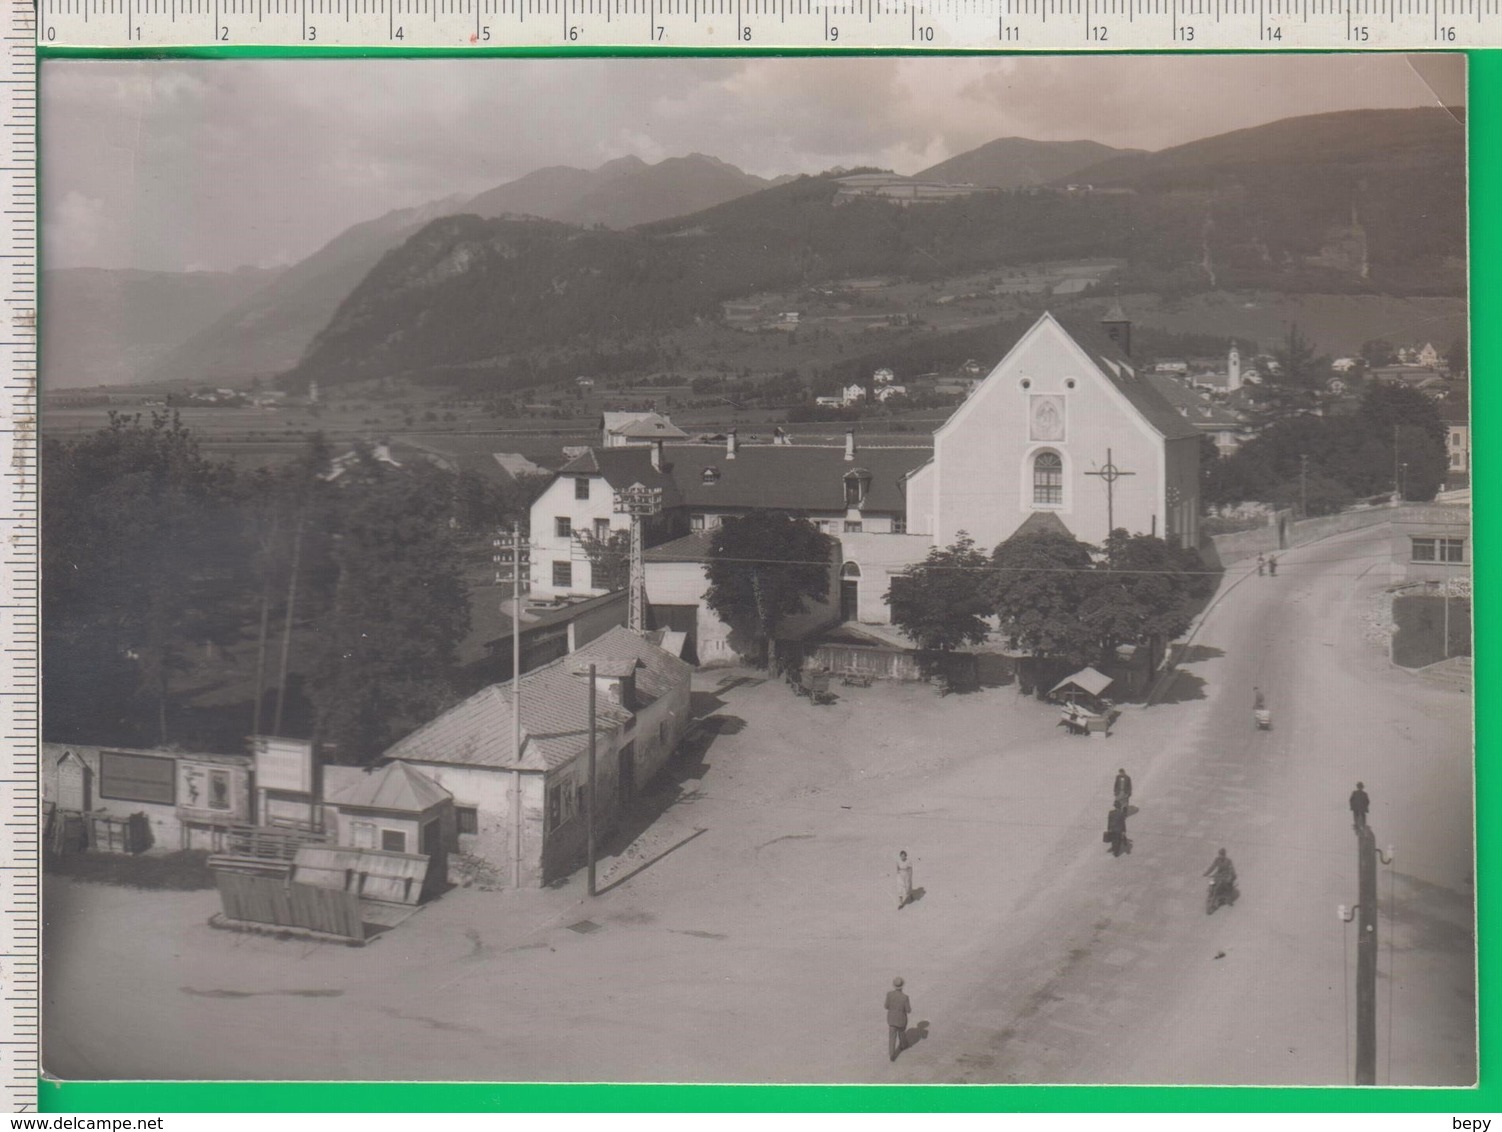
{"x":1124,"y":374}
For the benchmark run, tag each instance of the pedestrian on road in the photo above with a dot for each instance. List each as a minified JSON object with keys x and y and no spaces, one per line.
{"x":1259,"y":701}
{"x":1123,"y":788}
{"x":1360,"y":804}
{"x":1272,"y":566}
{"x":1116,"y":830}
{"x":898,"y":1007}
{"x":1261,"y":565}
{"x":904,"y":880}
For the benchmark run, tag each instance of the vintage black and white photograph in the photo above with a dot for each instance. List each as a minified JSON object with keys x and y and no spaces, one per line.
{"x":889,"y":569}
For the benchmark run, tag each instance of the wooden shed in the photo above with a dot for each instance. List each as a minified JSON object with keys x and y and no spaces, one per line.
{"x":394,"y":809}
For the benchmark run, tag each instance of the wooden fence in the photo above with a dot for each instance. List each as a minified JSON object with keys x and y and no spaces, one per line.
{"x":287,"y":904}
{"x":269,"y":843}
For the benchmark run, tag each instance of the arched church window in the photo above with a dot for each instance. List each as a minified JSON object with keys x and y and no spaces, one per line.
{"x":1048,"y":478}
{"x":850,"y":570}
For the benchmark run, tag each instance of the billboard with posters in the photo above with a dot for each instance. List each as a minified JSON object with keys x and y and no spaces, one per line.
{"x":284,"y":764}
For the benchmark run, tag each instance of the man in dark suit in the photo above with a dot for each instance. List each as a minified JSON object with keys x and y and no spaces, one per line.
{"x":898,"y":1007}
{"x":1123,"y":787}
{"x":1360,"y":805}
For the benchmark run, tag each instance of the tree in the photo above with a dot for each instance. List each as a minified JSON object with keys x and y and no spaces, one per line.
{"x":763,"y":568}
{"x":386,"y":660}
{"x":1458,"y":359}
{"x":1299,"y":365}
{"x":141,"y":555}
{"x":942,"y":601}
{"x":1038,"y":585}
{"x":609,"y":559}
{"x":1142,"y":594}
{"x":1409,"y":424}
{"x":1378,"y":352}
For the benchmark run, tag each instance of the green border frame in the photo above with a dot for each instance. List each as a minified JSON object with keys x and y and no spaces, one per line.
{"x":1484,"y":101}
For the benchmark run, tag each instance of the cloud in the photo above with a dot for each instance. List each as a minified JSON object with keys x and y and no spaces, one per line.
{"x":74,"y":228}
{"x":220,"y":161}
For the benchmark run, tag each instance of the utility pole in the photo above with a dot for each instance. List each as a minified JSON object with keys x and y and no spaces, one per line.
{"x":1303,"y":486}
{"x":517,"y":557}
{"x":1397,"y":479}
{"x":639,"y":502}
{"x":589,"y":795}
{"x":281,"y":687}
{"x":1366,"y":958}
{"x":1110,"y":473}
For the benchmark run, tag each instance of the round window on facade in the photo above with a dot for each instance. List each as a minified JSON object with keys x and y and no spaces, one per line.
{"x":1069,"y":383}
{"x":1026,"y":383}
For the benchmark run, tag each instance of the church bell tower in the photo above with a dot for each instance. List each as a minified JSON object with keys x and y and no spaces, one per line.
{"x":1118,"y":327}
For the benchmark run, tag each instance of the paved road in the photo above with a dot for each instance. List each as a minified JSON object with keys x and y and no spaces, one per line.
{"x":1115,"y":973}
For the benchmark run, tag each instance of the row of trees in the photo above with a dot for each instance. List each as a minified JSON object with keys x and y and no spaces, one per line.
{"x":1049,"y":594}
{"x":154,"y":553}
{"x":1394,"y":442}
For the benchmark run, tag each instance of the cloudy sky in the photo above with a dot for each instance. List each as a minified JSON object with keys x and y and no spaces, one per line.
{"x":210,"y":165}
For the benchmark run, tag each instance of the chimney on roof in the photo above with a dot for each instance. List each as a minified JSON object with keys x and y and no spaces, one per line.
{"x":850,"y":444}
{"x":732,"y":444}
{"x":657,"y":446}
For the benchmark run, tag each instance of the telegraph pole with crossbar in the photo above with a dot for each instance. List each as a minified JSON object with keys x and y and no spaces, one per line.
{"x":512,"y":549}
{"x":640,"y":503}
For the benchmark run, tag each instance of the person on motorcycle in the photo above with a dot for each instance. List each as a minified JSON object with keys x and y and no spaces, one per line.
{"x":1223,"y":874}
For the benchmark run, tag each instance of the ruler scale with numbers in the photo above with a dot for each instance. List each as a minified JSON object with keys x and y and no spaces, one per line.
{"x":1013,"y":25}
{"x":20,"y":872}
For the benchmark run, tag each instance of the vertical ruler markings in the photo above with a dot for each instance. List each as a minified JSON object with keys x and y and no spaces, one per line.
{"x":20,"y":918}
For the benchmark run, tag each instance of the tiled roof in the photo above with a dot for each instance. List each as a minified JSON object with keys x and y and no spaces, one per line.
{"x":652,"y":425}
{"x":394,"y":786}
{"x":1196,"y":409}
{"x":623,"y":467}
{"x":1041,"y":523}
{"x":791,"y":477}
{"x":689,"y":548}
{"x":555,"y":711}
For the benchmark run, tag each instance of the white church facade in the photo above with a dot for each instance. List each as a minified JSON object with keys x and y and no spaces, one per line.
{"x":1063,"y":426}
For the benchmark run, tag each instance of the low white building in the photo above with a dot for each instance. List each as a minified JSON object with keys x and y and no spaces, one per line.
{"x":641,"y":712}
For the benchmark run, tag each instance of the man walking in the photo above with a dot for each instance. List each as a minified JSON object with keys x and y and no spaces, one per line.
{"x":1261,"y":565}
{"x":1123,"y":788}
{"x":904,"y":880}
{"x":1360,"y":804}
{"x":898,"y":1007}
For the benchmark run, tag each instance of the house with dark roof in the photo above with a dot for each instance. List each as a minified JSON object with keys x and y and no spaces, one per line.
{"x":839,"y":488}
{"x":471,"y":751}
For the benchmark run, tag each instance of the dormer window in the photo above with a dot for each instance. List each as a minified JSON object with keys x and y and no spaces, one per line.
{"x":711,"y":474}
{"x":857,"y":486}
